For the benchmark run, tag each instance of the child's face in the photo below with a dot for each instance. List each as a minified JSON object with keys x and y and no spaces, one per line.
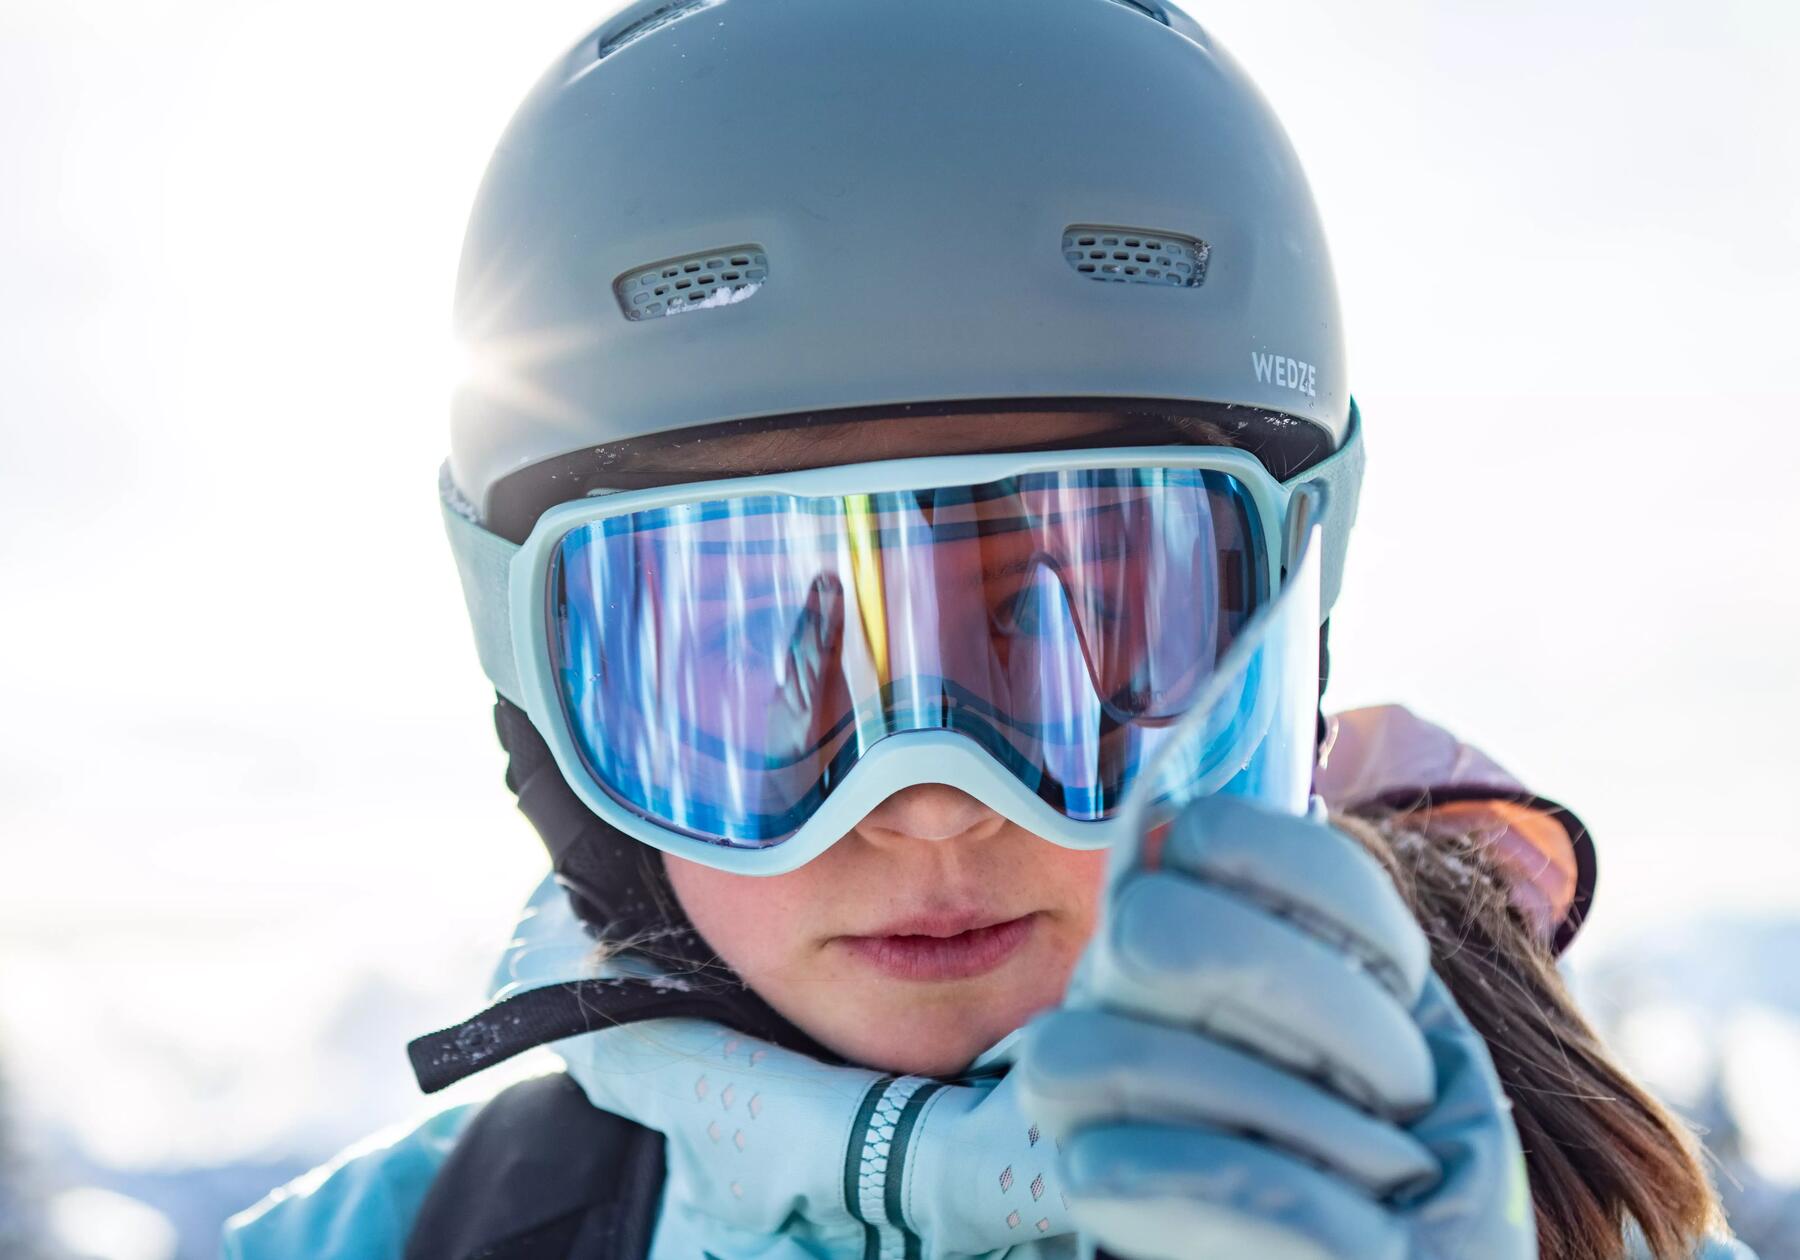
{"x":915,"y":942}
{"x":936,"y":926}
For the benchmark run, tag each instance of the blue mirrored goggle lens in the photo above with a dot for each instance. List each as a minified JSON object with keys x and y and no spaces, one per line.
{"x":724,"y":664}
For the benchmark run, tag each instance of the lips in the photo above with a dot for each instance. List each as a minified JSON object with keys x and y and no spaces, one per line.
{"x":941,"y":947}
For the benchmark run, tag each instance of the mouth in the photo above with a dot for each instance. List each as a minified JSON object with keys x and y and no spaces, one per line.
{"x":941,"y":948}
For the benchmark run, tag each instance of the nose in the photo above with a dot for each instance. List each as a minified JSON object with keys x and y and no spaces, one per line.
{"x":930,"y":811}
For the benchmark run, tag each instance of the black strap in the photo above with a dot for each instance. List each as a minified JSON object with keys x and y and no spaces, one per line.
{"x":617,"y":885}
{"x":537,"y":1017}
{"x":542,"y":1174}
{"x":1324,"y":681}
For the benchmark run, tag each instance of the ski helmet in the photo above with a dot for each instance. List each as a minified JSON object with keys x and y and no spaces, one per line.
{"x":730,"y":210}
{"x":715,"y":213}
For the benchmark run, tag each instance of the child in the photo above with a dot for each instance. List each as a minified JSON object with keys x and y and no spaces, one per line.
{"x":906,"y":479}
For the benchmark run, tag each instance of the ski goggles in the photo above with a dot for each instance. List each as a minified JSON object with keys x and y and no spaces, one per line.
{"x":738,"y":671}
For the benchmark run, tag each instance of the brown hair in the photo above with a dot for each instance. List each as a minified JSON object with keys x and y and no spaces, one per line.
{"x":1601,"y":1152}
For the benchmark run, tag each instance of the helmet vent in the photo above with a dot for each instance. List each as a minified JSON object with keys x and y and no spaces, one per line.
{"x":1134,"y":256}
{"x":1151,"y":11}
{"x":720,"y":277}
{"x":654,"y":20}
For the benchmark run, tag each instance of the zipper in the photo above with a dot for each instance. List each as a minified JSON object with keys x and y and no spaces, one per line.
{"x":875,"y":1164}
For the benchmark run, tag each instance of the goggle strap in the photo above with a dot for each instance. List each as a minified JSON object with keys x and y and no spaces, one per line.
{"x":1341,"y":473}
{"x":484,"y":563}
{"x":484,"y":559}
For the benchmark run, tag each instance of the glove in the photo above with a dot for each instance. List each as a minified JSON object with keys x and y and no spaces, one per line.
{"x":1255,"y":1060}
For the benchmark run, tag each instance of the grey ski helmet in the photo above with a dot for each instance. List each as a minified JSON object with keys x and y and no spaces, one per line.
{"x":718,"y":210}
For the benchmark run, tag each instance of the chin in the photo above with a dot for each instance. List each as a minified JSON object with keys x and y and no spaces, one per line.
{"x":926,"y":1038}
{"x":918,"y":1056}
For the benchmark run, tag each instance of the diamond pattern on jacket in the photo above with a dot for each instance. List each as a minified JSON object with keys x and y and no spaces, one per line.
{"x":1042,"y":1183}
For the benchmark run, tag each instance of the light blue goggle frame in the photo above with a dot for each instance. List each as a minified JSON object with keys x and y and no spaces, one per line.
{"x":504,"y":584}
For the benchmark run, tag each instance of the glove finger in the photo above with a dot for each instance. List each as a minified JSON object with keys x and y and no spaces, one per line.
{"x":1180,"y":952}
{"x":1484,"y":1192}
{"x":1153,"y":1192}
{"x":1082,"y":1068}
{"x":1308,"y":873}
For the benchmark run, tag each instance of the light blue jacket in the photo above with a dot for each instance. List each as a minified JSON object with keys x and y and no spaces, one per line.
{"x":762,"y":1145}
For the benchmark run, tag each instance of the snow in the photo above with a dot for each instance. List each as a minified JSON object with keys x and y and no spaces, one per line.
{"x":1707,"y":1013}
{"x":93,"y":1224}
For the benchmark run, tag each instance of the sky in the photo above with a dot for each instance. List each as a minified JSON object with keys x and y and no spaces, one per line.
{"x":250,"y":781}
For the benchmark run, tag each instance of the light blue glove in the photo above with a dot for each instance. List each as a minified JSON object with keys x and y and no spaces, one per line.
{"x":1255,"y":1059}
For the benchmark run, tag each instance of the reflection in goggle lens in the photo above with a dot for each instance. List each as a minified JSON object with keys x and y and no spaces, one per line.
{"x":724,"y":664}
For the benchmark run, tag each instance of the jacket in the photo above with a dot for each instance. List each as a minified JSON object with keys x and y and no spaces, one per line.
{"x":770,"y":1154}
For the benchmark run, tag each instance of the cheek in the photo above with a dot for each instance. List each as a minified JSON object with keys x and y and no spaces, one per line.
{"x":1080,"y":874}
{"x":1075,"y":880}
{"x":754,"y":921}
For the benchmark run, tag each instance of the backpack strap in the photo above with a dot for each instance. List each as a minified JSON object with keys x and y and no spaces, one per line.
{"x":543,"y":1174}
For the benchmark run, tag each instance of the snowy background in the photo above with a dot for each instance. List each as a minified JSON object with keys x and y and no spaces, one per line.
{"x":252,"y":830}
